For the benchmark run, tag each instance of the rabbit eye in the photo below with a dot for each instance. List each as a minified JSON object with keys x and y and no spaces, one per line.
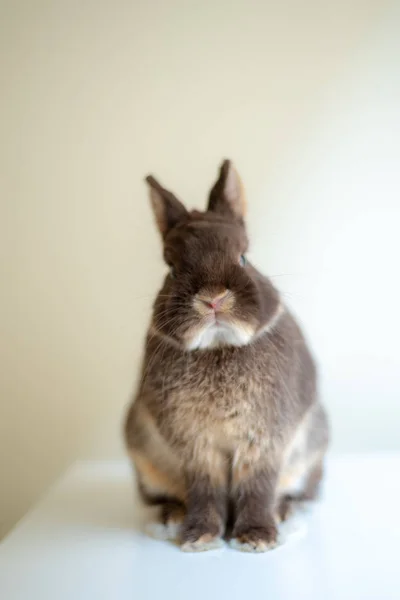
{"x":242,"y":260}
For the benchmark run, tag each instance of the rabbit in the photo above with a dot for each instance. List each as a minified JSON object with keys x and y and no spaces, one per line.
{"x":226,"y":428}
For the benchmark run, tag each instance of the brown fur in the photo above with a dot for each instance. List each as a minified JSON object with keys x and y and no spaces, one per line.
{"x":237,"y":422}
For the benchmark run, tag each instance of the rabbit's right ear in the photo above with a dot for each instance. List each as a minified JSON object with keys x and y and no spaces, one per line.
{"x":227,"y":195}
{"x":168,"y":210}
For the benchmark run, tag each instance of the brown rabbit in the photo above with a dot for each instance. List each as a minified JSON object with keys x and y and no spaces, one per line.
{"x":226,"y":424}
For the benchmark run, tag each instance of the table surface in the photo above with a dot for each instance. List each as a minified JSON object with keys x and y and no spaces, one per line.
{"x":85,"y":540}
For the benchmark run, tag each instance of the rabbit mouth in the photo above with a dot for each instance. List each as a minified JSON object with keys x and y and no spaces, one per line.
{"x":219,"y":331}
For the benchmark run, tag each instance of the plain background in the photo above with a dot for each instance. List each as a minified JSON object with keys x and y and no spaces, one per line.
{"x":303,"y":96}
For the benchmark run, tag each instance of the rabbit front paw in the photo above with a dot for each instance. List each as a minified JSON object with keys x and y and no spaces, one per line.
{"x":255,"y":538}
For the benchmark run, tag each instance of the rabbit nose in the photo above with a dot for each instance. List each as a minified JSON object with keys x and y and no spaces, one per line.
{"x":215,"y":302}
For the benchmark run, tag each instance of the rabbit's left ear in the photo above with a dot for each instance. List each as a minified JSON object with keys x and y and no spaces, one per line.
{"x":227,"y":195}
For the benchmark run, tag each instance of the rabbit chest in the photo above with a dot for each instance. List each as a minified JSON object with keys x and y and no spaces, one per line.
{"x":222,"y":399}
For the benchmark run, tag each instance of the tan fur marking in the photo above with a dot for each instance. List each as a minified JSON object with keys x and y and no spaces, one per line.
{"x":205,"y":542}
{"x":211,"y":462}
{"x":154,"y":479}
{"x":242,"y":195}
{"x":246,"y":459}
{"x":288,"y":479}
{"x":253,"y":546}
{"x":240,"y":473}
{"x":235,"y":192}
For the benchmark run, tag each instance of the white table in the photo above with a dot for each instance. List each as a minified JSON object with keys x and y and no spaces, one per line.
{"x":84,"y":541}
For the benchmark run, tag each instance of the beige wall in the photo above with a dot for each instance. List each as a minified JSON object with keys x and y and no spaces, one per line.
{"x":96,"y":94}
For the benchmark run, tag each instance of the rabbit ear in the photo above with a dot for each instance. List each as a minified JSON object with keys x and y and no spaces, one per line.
{"x":168,"y":210}
{"x":227,"y":195}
